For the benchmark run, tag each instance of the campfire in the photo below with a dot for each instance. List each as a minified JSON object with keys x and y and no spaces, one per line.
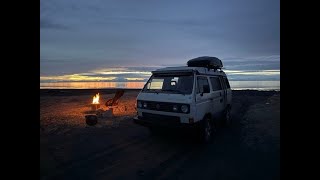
{"x":100,"y":113}
{"x":95,"y":99}
{"x":95,"y":102}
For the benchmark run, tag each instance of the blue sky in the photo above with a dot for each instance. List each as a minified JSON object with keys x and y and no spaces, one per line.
{"x":123,"y":40}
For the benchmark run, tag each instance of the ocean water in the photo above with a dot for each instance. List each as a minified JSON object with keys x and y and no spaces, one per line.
{"x":236,"y":85}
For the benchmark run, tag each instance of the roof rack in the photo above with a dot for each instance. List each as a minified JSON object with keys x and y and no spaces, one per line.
{"x":206,"y":61}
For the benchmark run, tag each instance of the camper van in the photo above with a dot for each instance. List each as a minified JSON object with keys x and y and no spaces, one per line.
{"x":196,"y":97}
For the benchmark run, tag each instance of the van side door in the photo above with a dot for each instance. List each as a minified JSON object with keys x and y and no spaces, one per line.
{"x":203,"y":102}
{"x":217,"y":94}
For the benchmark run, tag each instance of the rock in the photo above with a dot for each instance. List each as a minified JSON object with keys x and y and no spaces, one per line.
{"x":141,"y":172}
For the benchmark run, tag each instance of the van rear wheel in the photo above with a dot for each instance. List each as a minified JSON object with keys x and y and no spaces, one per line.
{"x":227,"y":117}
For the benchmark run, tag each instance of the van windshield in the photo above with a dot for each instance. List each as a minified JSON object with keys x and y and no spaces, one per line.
{"x":165,"y":83}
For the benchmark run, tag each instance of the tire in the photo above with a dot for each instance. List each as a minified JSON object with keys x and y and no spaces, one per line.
{"x":227,"y":121}
{"x":207,"y":130}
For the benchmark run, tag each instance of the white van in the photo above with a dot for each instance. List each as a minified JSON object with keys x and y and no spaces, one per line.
{"x":196,"y":96}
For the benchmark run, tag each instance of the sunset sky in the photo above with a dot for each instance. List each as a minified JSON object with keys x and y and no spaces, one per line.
{"x":123,"y":40}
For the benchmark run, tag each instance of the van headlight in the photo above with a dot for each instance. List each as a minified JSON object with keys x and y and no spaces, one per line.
{"x":145,"y":105}
{"x":184,"y":108}
{"x":175,"y":108}
{"x":139,"y":104}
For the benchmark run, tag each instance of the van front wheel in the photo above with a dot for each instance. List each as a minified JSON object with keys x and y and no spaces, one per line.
{"x":207,"y":130}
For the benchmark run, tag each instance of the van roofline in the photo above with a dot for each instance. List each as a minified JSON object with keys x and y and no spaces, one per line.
{"x":172,"y":71}
{"x":185,"y":69}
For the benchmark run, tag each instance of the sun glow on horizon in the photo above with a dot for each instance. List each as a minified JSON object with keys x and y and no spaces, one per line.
{"x":76,"y":77}
{"x":126,"y":75}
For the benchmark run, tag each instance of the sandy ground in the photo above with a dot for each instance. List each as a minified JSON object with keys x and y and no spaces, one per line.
{"x":119,"y":149}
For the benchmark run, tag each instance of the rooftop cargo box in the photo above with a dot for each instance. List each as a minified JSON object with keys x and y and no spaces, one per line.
{"x":205,"y":61}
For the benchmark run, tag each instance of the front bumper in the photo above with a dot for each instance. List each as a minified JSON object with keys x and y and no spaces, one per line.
{"x":164,"y":123}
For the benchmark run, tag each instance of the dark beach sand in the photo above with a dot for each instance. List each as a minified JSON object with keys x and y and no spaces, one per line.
{"x":119,"y":149}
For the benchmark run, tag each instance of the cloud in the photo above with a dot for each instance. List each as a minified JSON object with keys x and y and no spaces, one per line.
{"x":261,"y":73}
{"x":47,"y":24}
{"x":74,"y":78}
{"x":135,"y":74}
{"x":135,"y":79}
{"x":120,"y":74}
{"x":129,"y":35}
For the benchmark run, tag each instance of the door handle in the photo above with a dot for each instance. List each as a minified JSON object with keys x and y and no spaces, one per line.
{"x":221,"y":100}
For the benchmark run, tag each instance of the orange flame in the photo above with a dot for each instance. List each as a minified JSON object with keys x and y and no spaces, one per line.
{"x":96,"y":99}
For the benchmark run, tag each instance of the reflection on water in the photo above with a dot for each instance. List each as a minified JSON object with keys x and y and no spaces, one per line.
{"x":91,"y":85}
{"x":260,"y":85}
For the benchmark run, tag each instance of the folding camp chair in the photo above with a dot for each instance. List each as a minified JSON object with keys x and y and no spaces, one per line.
{"x":113,"y":102}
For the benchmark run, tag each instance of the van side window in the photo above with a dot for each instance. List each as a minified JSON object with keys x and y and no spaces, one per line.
{"x":203,"y":85}
{"x":215,"y":83}
{"x":227,"y":82}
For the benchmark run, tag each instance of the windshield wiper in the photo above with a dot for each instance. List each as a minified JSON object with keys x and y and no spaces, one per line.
{"x":152,"y":90}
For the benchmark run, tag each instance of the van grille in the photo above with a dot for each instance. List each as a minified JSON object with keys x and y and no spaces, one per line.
{"x":163,"y":106}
